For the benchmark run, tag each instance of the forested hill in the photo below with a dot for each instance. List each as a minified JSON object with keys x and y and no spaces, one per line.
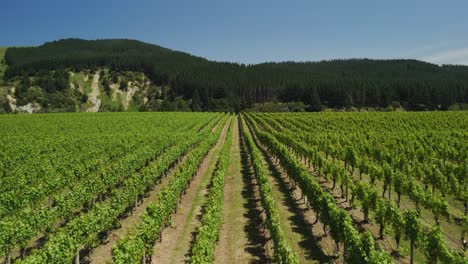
{"x":187,"y":81}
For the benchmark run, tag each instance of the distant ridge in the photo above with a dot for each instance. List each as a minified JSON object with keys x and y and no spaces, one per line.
{"x":340,"y":83}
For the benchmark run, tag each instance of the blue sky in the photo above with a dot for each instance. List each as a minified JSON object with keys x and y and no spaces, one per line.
{"x":256,"y":30}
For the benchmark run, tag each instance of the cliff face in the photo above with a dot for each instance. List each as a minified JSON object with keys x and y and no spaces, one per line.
{"x":86,"y":91}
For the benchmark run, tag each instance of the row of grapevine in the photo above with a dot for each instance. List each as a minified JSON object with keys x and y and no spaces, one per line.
{"x":283,"y":252}
{"x":402,"y":183}
{"x":429,"y":238}
{"x":137,"y":246}
{"x":17,"y":230}
{"x":34,"y":167}
{"x":359,"y":248}
{"x":207,"y":234}
{"x":84,"y":230}
{"x":407,"y":151}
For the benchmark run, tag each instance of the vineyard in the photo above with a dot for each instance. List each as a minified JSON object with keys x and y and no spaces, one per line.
{"x":223,"y":188}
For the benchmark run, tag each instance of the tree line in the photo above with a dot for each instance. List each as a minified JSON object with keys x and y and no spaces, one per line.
{"x":211,"y":85}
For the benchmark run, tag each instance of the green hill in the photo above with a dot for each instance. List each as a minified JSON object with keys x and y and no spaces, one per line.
{"x":181,"y":81}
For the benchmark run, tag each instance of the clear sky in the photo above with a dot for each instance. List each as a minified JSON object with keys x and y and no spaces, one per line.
{"x":252,"y":31}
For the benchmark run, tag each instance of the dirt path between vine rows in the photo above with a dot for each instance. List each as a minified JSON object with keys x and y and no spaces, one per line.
{"x":240,"y":240}
{"x":177,"y":238}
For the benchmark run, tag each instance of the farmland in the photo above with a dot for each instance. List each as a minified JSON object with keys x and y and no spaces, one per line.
{"x":224,"y":188}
